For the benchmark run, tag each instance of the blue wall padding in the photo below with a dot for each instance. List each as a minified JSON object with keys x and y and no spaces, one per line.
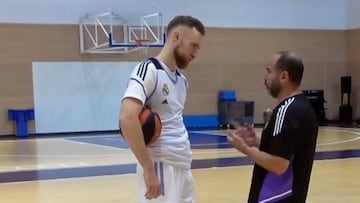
{"x":201,"y":121}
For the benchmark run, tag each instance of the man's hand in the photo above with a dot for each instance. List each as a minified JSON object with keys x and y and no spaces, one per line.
{"x":237,"y":141}
{"x":152,"y":183}
{"x":247,"y":133}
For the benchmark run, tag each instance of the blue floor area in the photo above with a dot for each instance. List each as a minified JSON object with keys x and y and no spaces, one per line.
{"x":197,"y":140}
{"x":206,"y":141}
{"x":109,"y":141}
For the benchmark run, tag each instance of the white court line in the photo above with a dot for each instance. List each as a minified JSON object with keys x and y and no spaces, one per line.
{"x":339,"y":142}
{"x":228,"y":150}
{"x":343,"y":141}
{"x":134,"y":174}
{"x":208,"y":132}
{"x":10,"y":168}
{"x":197,"y":152}
{"x":97,"y":145}
{"x":320,"y":144}
{"x":113,"y":139}
{"x":250,"y":166}
{"x":65,"y":156}
{"x":39,"y":138}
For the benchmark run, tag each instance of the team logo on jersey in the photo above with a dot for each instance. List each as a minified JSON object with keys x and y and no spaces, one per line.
{"x":165,"y":90}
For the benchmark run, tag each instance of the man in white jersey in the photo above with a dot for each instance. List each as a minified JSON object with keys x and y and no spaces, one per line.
{"x":163,"y":167}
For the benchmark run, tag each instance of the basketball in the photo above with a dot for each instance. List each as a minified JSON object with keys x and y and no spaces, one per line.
{"x":151,"y":125}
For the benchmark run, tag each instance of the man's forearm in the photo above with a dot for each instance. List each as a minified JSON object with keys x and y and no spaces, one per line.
{"x":132,"y":132}
{"x":274,"y":164}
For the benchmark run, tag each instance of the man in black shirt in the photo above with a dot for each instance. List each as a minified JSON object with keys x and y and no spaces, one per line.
{"x":284,"y":155}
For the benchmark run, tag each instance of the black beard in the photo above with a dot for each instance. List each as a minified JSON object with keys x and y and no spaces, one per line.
{"x":274,"y":90}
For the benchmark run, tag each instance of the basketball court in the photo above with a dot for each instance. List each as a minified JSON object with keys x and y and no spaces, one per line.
{"x":100,"y":168}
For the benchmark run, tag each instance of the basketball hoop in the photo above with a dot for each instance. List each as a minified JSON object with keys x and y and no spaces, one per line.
{"x":140,"y":42}
{"x":142,"y":46}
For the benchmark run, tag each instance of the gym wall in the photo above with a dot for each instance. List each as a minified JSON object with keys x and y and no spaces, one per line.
{"x":229,"y":59}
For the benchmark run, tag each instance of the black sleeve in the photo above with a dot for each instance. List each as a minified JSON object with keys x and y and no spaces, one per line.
{"x":287,"y":136}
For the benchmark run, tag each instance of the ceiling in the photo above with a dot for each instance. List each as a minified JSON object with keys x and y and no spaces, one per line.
{"x":320,"y":14}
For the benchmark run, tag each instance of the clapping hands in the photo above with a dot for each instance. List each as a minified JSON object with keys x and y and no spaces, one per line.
{"x":242,"y":137}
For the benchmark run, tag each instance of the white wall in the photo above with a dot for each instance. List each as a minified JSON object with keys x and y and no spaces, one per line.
{"x":353,"y":14}
{"x":78,"y":96}
{"x":294,"y":14}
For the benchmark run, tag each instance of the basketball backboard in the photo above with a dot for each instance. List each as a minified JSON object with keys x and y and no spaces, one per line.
{"x":111,"y":34}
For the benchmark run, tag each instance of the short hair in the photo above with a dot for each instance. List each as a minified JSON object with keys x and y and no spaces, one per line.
{"x":290,"y":62}
{"x":188,"y":21}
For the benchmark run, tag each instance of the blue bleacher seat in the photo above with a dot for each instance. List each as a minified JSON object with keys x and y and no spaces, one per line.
{"x":227,"y":95}
{"x":20,"y":117}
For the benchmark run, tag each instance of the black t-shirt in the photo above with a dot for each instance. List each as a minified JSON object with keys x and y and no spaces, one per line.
{"x":291,"y":133}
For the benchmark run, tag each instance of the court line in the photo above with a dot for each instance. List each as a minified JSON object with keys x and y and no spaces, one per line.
{"x":97,"y":145}
{"x":320,"y":144}
{"x":250,"y":166}
{"x":343,"y":141}
{"x":35,"y":139}
{"x":223,"y":150}
{"x":134,"y":174}
{"x":64,"y":156}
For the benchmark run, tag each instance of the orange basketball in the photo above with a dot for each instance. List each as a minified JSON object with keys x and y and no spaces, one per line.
{"x":151,"y":125}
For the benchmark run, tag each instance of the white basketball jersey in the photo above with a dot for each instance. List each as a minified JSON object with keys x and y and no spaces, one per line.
{"x":165,"y":92}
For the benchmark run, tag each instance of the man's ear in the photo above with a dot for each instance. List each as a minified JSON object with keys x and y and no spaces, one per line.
{"x":284,"y":75}
{"x":176,"y":37}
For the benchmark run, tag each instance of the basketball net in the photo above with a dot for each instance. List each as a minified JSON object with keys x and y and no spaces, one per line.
{"x":142,"y":48}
